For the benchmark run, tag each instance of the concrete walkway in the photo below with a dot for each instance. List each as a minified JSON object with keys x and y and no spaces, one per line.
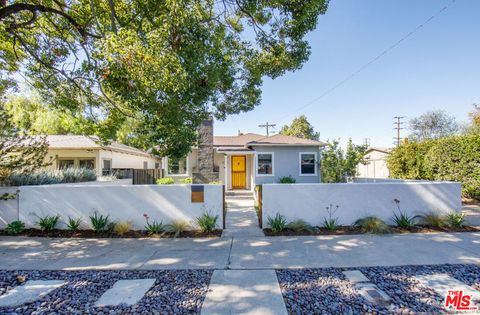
{"x":472,"y":214}
{"x":244,"y":292}
{"x":241,"y":219}
{"x":244,"y":280}
{"x":240,"y":252}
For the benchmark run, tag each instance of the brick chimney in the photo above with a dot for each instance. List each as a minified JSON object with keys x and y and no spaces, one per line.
{"x":205,"y":166}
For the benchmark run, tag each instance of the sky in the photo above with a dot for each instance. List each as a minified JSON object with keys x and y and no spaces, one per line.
{"x":438,"y":67}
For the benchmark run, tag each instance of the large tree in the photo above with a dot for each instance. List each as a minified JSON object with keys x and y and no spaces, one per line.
{"x":432,"y":125}
{"x":167,"y":65}
{"x":19,"y":153}
{"x":300,"y":127}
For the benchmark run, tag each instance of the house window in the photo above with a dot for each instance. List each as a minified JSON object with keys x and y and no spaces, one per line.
{"x":106,"y":167}
{"x":308,"y":163}
{"x":145,"y":165}
{"x":87,"y":163}
{"x":66,"y":164}
{"x":157,"y":165}
{"x":177,"y":166}
{"x":265,"y":164}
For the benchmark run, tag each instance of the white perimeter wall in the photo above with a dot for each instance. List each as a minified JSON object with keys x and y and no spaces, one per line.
{"x":357,"y":200}
{"x":122,"y":203}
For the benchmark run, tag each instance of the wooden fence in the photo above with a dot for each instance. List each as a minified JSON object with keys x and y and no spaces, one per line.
{"x":146,"y":177}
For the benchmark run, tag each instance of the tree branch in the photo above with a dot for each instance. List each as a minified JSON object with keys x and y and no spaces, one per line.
{"x":34,"y":8}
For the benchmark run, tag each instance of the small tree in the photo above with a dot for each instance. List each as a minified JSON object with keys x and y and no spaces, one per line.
{"x":19,"y":153}
{"x":301,"y":128}
{"x":432,"y":125}
{"x":353,"y":155}
{"x":332,"y":163}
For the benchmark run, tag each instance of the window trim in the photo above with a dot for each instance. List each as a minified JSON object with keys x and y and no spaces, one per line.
{"x":187,"y":167}
{"x":256,"y":164}
{"x":300,"y":164}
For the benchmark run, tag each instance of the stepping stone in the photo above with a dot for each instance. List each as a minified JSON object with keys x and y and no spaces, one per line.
{"x":29,"y":292}
{"x":373,"y":294}
{"x":442,"y":282}
{"x":355,"y":276}
{"x":127,"y":292}
{"x":244,"y":292}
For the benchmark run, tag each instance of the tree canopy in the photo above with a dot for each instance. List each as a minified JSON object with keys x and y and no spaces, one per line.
{"x":432,"y":125}
{"x":337,"y":164}
{"x":165,"y":65}
{"x":300,"y":127}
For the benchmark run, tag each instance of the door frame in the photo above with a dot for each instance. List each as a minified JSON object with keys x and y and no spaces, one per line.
{"x":244,"y":172}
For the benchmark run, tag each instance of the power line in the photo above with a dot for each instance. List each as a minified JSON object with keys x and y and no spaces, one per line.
{"x":375,"y":59}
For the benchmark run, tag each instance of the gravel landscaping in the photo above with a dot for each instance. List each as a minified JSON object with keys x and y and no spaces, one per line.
{"x":174,"y":292}
{"x":326,"y":291}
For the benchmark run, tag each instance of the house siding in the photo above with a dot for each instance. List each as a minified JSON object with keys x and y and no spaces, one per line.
{"x":286,"y":163}
{"x":376,"y":166}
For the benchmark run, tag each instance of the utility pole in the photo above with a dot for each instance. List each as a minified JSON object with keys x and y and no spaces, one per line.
{"x":398,"y":126}
{"x":267,"y":126}
{"x":366,"y":142}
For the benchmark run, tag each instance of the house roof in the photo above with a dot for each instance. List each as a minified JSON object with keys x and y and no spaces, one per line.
{"x":249,"y":139}
{"x":379,"y":149}
{"x":89,"y":142}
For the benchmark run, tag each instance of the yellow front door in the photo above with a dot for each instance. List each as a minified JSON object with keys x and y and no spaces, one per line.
{"x":239,"y":174}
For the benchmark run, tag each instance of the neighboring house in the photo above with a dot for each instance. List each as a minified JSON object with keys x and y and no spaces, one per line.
{"x":246,"y":160}
{"x":376,"y":163}
{"x":85,"y":151}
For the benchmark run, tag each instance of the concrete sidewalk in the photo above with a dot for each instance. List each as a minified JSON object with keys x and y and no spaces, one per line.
{"x":240,"y":252}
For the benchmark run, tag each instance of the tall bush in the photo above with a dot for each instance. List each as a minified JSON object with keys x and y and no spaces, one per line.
{"x":407,"y":161}
{"x":456,"y":159}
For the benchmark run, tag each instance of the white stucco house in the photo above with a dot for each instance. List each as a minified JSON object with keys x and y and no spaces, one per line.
{"x":241,"y":162}
{"x":85,"y":151}
{"x":376,"y":163}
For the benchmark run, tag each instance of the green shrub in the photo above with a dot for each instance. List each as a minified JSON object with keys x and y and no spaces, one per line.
{"x":403,"y":220}
{"x":165,"y":181}
{"x":207,"y":222}
{"x":187,"y":180}
{"x":331,"y":223}
{"x":432,"y":219}
{"x":300,"y":226}
{"x":73,"y":224}
{"x":68,"y":175}
{"x":454,"y":158}
{"x":278,"y":223}
{"x":407,"y":161}
{"x":457,"y":159}
{"x":216,"y":182}
{"x":177,"y":227}
{"x":153,"y":227}
{"x":372,"y":225}
{"x":455,"y":219}
{"x":15,"y":227}
{"x":287,"y":180}
{"x":101,"y":223}
{"x":48,"y":223}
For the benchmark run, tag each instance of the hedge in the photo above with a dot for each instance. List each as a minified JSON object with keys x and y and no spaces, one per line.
{"x":454,"y":159}
{"x":68,"y":175}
